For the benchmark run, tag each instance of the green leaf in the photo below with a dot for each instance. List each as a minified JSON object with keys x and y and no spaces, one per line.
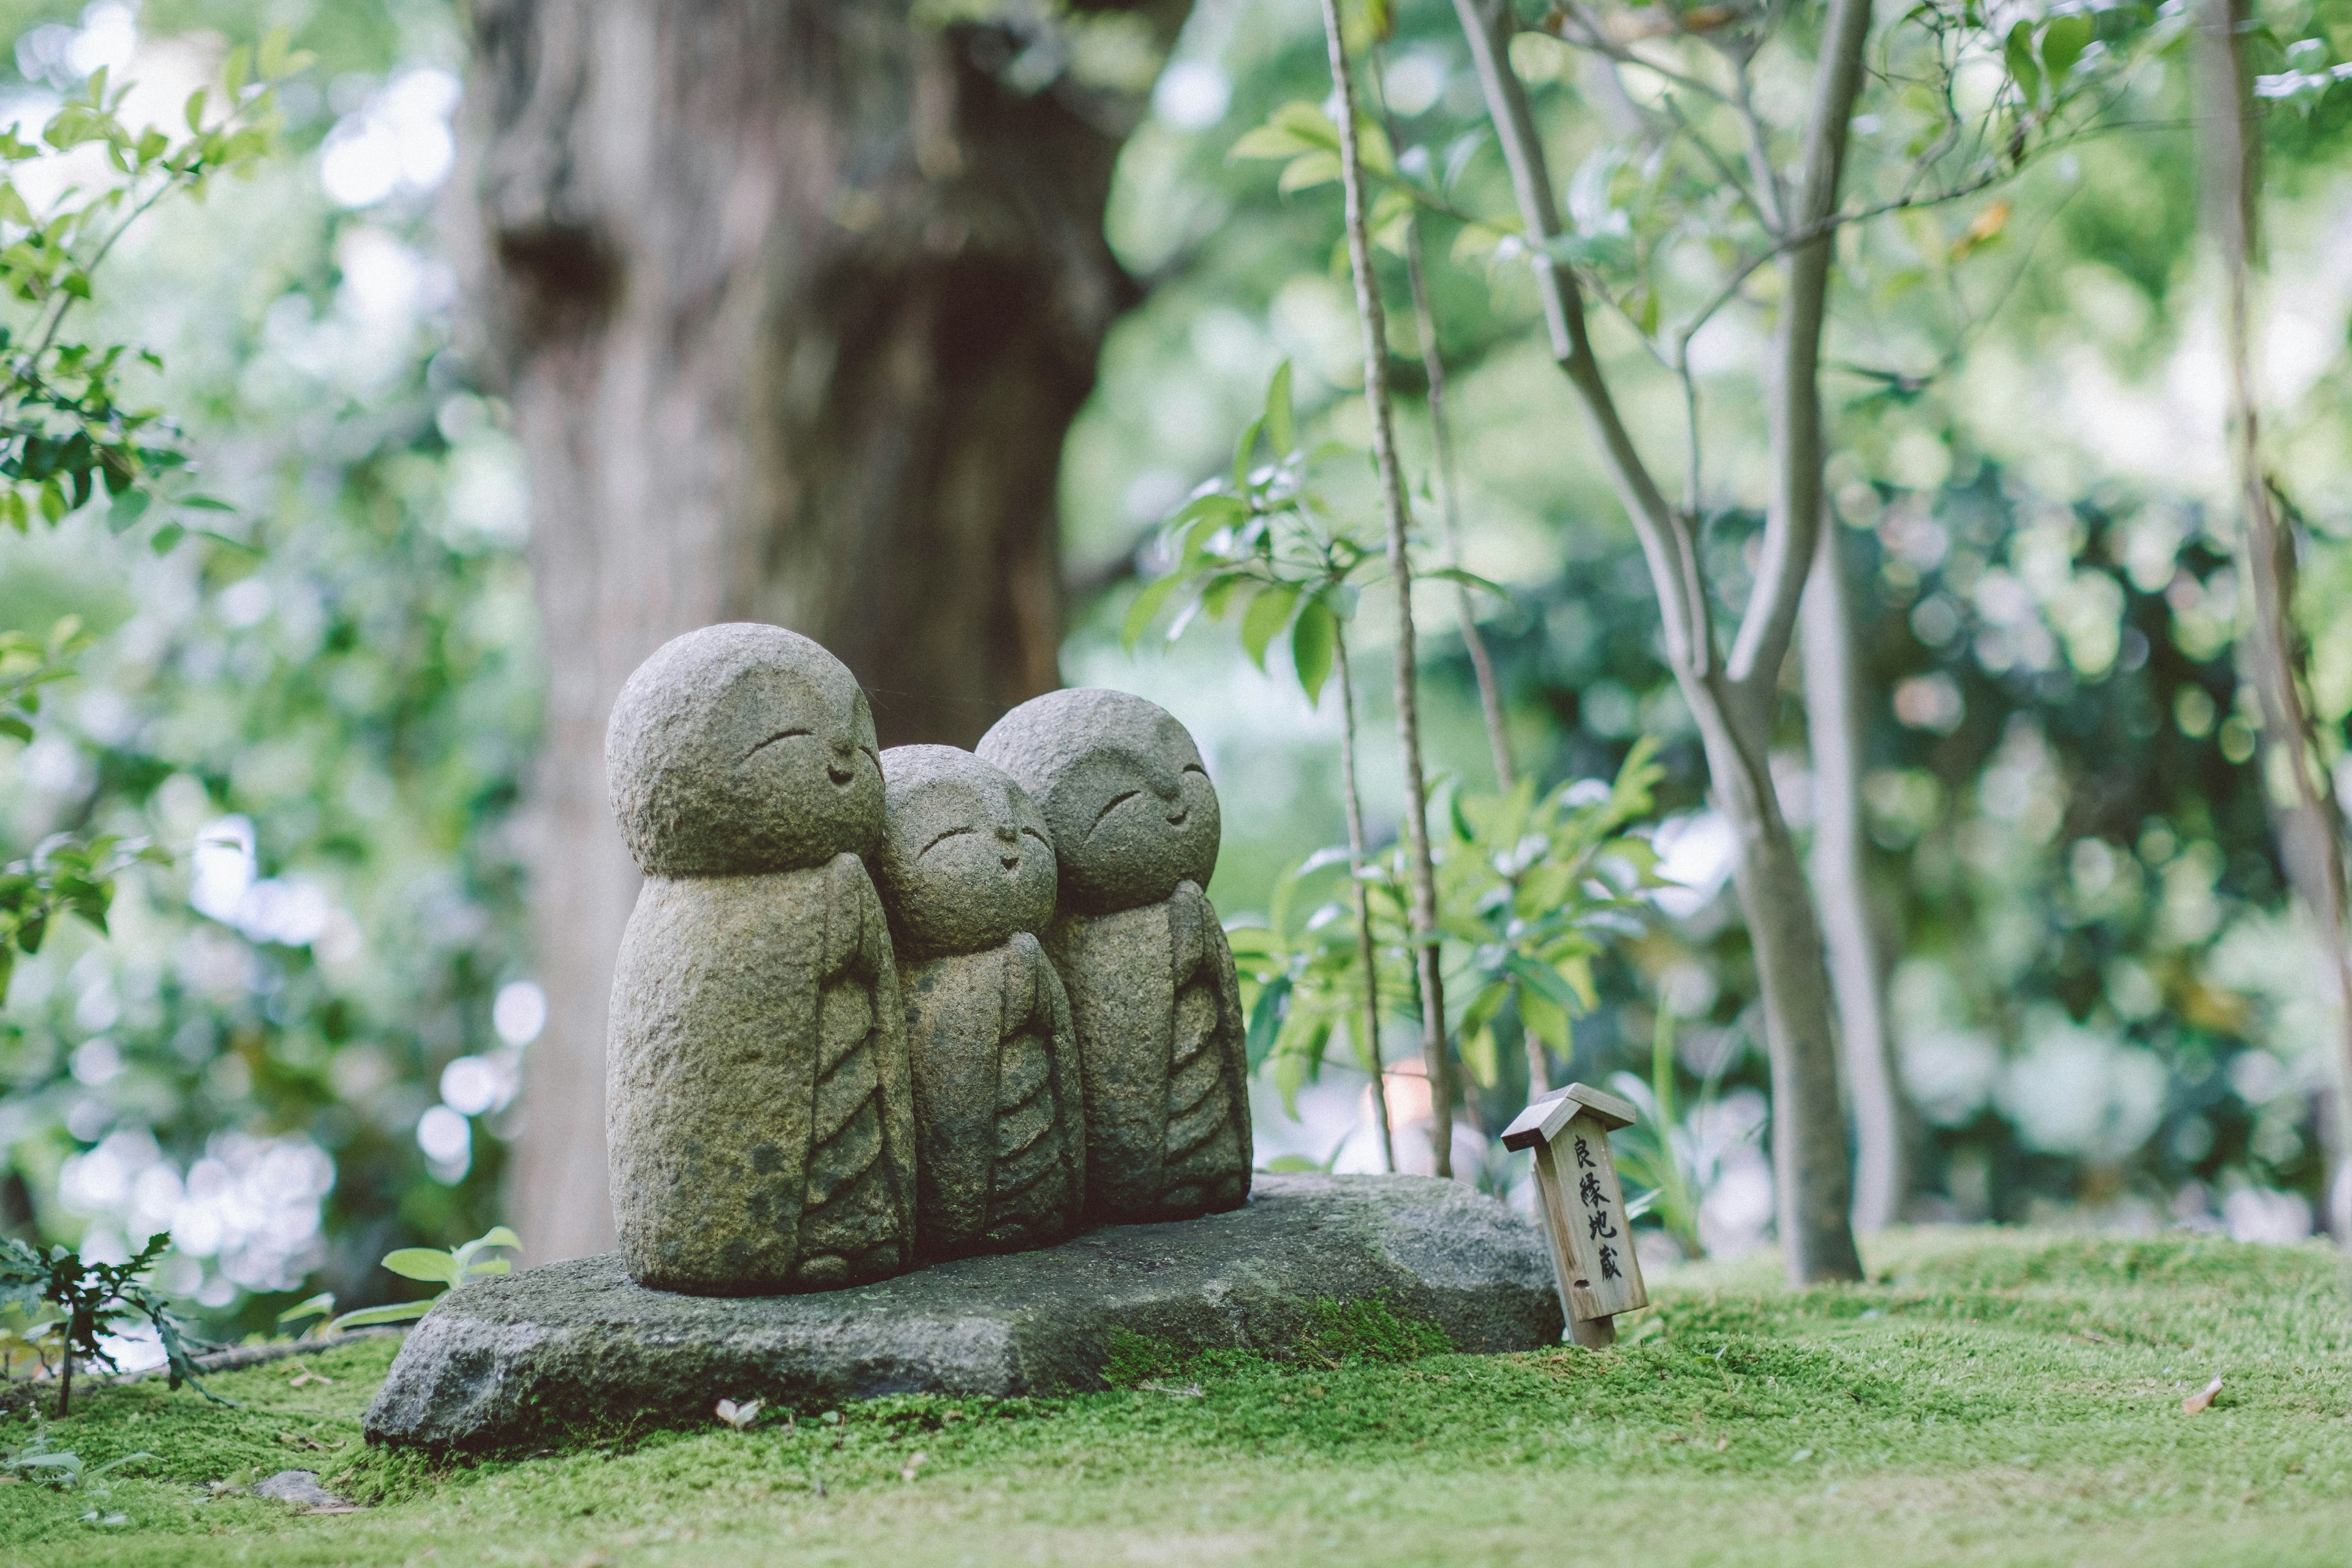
{"x":1269,"y":141}
{"x":1146,"y":606}
{"x":1546,"y":980}
{"x":423,"y":1263}
{"x":1469,"y":580}
{"x":368,"y":1316}
{"x":1307,"y":123}
{"x":1478,"y":1054}
{"x":205,"y":503}
{"x":1281,"y":427}
{"x":1546,"y":1019}
{"x":1243,"y":450}
{"x":497,"y":1236}
{"x":1309,"y":170}
{"x":1266,"y":1020}
{"x":1477,"y":243}
{"x":128,"y":509}
{"x":323,"y":1303}
{"x":1313,"y":640}
{"x":1267,"y":613}
{"x":1297,"y":1062}
{"x":2018,"y":52}
{"x":2062,"y":42}
{"x":167,"y":538}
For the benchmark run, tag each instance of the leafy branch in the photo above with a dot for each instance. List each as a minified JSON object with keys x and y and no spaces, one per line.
{"x":88,"y":1299}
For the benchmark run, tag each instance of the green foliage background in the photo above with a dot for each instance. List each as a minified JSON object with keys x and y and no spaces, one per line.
{"x":2101,"y":999}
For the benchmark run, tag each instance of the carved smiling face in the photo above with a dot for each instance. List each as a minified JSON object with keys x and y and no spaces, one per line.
{"x":1127,"y":800}
{"x":742,"y":748}
{"x":965,"y":862}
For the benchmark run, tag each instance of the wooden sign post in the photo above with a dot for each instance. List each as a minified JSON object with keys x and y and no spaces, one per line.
{"x":1583,"y":1207}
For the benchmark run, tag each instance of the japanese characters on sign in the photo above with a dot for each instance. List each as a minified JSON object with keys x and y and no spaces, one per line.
{"x":1583,"y":1207}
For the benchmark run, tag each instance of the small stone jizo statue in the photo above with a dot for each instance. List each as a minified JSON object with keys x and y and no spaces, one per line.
{"x":758,"y":1105}
{"x":1134,"y":822}
{"x":967,"y":877}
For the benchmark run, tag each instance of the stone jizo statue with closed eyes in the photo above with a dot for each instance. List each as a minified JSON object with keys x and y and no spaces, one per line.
{"x":968,"y":878}
{"x":1134,"y":822}
{"x":759,"y":1107}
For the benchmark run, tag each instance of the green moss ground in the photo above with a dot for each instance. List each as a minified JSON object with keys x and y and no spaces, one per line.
{"x":1992,"y":1398}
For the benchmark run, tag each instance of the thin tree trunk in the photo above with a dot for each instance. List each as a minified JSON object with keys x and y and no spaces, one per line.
{"x":1367,"y":951}
{"x":1374,"y":320}
{"x":1833,"y":726}
{"x":1441,"y":442}
{"x":2299,"y":792}
{"x":1732,"y":702}
{"x":64,"y":1381}
{"x":1449,"y":511}
{"x":792,"y":305}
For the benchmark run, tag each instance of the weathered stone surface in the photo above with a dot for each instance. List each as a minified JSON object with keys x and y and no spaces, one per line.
{"x":759,"y":1109}
{"x":966,"y":875}
{"x":566,"y":1349}
{"x":965,"y":860}
{"x":1126,"y":801}
{"x":1150,"y":978}
{"x":742,"y":748}
{"x":758,"y":1106}
{"x":301,"y":1489}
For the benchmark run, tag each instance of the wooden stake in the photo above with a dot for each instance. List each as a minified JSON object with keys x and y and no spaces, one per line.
{"x":1584,"y":1221}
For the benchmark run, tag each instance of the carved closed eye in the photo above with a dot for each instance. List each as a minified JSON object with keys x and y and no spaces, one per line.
{"x":1039,"y":836}
{"x":778,"y":735}
{"x":942,"y":839}
{"x":1116,"y":801}
{"x":1195,"y":768}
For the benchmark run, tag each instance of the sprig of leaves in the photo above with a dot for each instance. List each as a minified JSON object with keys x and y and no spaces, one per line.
{"x":1260,"y":540}
{"x":1531,"y":889}
{"x":90,"y":1299}
{"x":449,"y":1269}
{"x":64,"y":876}
{"x":67,"y":434}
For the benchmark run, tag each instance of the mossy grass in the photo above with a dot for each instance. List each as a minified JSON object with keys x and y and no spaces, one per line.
{"x":1988,"y":1397}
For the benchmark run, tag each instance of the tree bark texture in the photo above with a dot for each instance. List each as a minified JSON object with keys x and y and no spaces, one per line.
{"x":1833,"y":730}
{"x":2299,"y":793}
{"x":792,"y":303}
{"x":1733,"y":699}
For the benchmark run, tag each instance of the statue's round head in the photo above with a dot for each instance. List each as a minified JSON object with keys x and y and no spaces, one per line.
{"x":965,"y":861}
{"x":1128,"y":805}
{"x":742,"y":748}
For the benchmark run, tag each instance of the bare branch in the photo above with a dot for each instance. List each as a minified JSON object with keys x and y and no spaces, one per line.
{"x":1794,"y":515}
{"x":1667,"y":545}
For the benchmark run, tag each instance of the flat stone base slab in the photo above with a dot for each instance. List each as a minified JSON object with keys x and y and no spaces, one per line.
{"x":575,"y":1349}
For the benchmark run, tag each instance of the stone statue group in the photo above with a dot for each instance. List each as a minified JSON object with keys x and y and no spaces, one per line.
{"x":876,"y":1010}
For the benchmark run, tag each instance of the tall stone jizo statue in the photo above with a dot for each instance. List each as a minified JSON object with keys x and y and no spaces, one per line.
{"x":1134,"y":822}
{"x":966,"y":876}
{"x":758,"y":1106}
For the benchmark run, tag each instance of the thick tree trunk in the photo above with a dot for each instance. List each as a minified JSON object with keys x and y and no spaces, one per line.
{"x":1834,"y":729}
{"x":794,"y":304}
